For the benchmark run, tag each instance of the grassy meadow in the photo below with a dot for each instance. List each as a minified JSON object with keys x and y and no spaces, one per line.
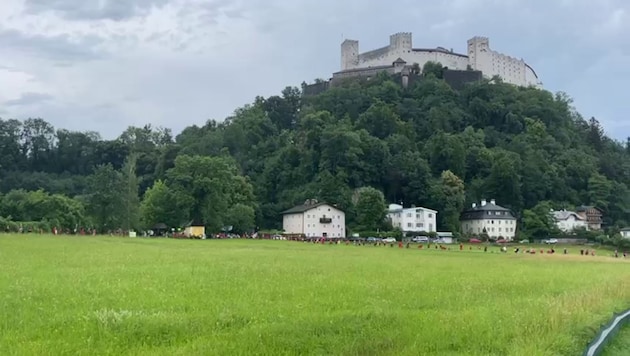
{"x":113,"y":296}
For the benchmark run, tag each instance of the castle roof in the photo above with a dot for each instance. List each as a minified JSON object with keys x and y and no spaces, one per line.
{"x":399,"y":61}
{"x":441,"y":50}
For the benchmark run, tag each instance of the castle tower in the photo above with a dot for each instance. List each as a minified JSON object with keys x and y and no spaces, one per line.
{"x":400,"y":40}
{"x":478,"y":52}
{"x":349,"y":54}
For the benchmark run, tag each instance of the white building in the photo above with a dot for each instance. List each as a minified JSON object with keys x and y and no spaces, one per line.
{"x":414,"y":219}
{"x":315,"y":219}
{"x":494,"y":220}
{"x":625,"y":233}
{"x":568,"y":221}
{"x":479,"y":57}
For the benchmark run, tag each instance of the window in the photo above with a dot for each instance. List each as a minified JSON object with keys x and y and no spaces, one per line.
{"x":417,"y":216}
{"x":308,"y":216}
{"x":493,"y":221}
{"x":418,"y":225}
{"x":430,"y":215}
{"x":408,"y":215}
{"x":409,"y":225}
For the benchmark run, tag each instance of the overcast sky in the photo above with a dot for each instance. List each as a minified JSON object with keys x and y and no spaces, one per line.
{"x":106,"y":64}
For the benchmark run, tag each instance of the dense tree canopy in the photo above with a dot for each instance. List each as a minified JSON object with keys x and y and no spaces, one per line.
{"x":427,"y":145}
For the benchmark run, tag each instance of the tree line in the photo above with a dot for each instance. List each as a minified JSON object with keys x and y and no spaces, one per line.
{"x":428,"y":145}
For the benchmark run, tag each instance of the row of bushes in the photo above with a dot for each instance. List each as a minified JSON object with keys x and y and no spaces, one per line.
{"x":44,"y":226}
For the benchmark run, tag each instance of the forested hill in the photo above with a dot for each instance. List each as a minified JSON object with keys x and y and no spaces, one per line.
{"x":427,"y":145}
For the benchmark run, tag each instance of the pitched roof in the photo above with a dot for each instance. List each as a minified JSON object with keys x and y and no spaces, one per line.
{"x":484,"y":212}
{"x":586,"y":207}
{"x":489,"y":207}
{"x":308,"y":205}
{"x":563,"y":215}
{"x":626,"y":229}
{"x":399,"y":60}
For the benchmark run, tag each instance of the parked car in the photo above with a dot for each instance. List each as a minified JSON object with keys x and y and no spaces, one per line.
{"x":373,"y":239}
{"x":389,"y":240}
{"x":420,"y":239}
{"x":525,"y":241}
{"x":551,"y":241}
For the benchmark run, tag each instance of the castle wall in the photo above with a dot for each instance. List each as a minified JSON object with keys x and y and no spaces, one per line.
{"x":480,"y":57}
{"x":491,"y":63}
{"x":362,"y":72}
{"x":386,"y":56}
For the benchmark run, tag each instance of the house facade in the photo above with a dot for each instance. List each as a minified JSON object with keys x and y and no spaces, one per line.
{"x":489,"y":218}
{"x":592,"y":215}
{"x":315,"y":219}
{"x":568,"y":221}
{"x":625,"y":233}
{"x":414,"y":219}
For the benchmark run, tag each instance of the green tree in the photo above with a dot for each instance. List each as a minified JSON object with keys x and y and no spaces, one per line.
{"x":538,"y":222}
{"x":433,"y":68}
{"x":241,"y":217}
{"x":161,"y":205}
{"x":370,"y":208}
{"x":207,"y":187}
{"x":106,"y":198}
{"x":131,"y":200}
{"x":450,"y":195}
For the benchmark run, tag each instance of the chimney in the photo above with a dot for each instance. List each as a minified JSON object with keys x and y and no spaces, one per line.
{"x":492,"y":201}
{"x":474,"y":205}
{"x":483,"y":202}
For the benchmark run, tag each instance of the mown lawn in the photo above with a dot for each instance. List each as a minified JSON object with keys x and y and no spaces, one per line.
{"x":113,"y":296}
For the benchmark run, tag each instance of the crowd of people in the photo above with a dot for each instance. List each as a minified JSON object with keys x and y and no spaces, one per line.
{"x":461,"y":247}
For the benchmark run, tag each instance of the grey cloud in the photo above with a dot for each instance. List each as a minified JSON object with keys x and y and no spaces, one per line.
{"x":115,"y":10}
{"x":577,"y":46}
{"x":59,"y":48}
{"x":208,"y":12}
{"x":29,"y":99}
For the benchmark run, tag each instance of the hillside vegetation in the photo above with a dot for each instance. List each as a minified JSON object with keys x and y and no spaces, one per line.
{"x":427,"y":145}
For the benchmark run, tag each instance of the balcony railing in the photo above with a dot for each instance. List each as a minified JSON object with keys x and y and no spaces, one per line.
{"x":325,"y":220}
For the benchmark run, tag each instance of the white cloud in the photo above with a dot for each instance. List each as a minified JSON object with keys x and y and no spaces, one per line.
{"x":108,"y":64}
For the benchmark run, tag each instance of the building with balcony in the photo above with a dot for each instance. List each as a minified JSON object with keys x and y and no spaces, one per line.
{"x":414,"y":219}
{"x":314,"y":219}
{"x":568,"y":221}
{"x":592,"y":215}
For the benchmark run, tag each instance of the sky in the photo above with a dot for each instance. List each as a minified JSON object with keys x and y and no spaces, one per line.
{"x":104,"y":65}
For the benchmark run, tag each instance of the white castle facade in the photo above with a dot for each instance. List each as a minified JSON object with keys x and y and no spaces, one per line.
{"x":480,"y":57}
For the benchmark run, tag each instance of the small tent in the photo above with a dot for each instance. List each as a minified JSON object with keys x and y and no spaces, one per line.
{"x":195,"y":229}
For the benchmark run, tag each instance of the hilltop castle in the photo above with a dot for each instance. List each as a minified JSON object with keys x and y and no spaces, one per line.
{"x":400,"y":54}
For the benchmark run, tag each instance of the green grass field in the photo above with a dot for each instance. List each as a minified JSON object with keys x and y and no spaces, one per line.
{"x":113,"y":296}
